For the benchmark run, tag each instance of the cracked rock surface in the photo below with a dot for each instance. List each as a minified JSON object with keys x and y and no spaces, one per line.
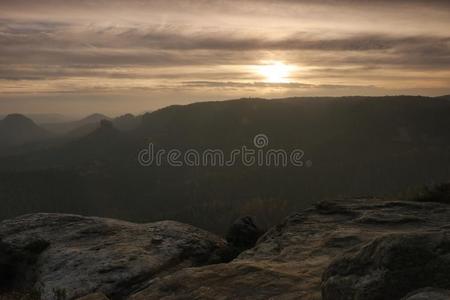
{"x":290,"y":260}
{"x":81,"y":255}
{"x":349,"y":249}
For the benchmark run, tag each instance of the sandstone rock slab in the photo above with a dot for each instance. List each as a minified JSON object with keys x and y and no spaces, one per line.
{"x":83,"y":255}
{"x":289,"y":260}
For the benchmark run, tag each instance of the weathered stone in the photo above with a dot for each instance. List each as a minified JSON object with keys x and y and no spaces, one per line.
{"x":390,"y":267}
{"x":363,"y":240}
{"x":243,"y":233}
{"x":94,"y":296}
{"x":288,"y":261}
{"x":76,"y":256}
{"x":17,"y":269}
{"x":428,"y":294}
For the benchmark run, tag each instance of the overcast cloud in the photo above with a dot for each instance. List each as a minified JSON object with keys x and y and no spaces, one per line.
{"x":141,"y":55}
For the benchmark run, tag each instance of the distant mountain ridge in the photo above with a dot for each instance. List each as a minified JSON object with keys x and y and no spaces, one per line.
{"x":16,"y":129}
{"x":67,"y":127}
{"x":358,"y":146}
{"x":83,"y":127}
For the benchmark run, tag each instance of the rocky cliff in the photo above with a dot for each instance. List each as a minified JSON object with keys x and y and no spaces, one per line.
{"x":352,"y":249}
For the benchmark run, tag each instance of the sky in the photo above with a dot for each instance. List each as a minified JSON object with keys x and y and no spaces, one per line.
{"x":114,"y":57}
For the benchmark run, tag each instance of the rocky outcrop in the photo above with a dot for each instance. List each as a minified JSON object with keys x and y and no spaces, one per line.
{"x":243,"y":233}
{"x":94,"y":296}
{"x":288,"y":262}
{"x":390,"y":267}
{"x":352,"y":249}
{"x":74,"y":256}
{"x":428,"y":294}
{"x":17,"y":265}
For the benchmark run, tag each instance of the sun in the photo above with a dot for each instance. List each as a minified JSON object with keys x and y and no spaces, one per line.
{"x":275,"y":72}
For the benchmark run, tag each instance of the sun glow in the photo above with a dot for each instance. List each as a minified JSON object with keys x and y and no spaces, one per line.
{"x":275,"y":72}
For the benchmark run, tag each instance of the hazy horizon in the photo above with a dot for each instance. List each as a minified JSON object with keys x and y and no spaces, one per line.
{"x":77,"y":57}
{"x":67,"y":116}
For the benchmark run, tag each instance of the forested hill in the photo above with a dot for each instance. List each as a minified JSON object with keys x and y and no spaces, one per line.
{"x":354,"y":146}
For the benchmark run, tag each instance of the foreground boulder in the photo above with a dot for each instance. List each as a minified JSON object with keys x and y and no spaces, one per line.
{"x":390,"y":267}
{"x":73,"y":256}
{"x":243,"y":233}
{"x":288,"y":262}
{"x":17,"y":264}
{"x":428,"y":294}
{"x":94,"y":296}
